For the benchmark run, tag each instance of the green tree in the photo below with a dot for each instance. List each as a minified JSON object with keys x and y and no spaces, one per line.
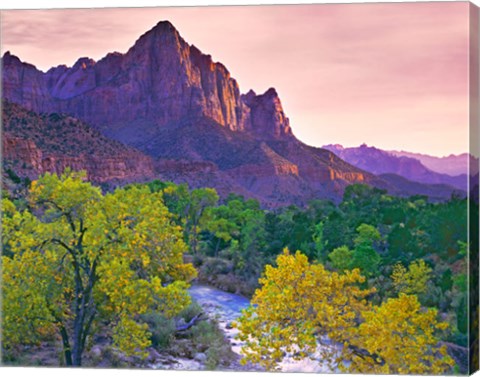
{"x":81,"y":258}
{"x":200,"y":199}
{"x":341,"y":258}
{"x":319,"y":240}
{"x":365,"y":257}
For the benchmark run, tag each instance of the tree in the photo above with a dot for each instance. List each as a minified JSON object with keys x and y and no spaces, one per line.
{"x":397,"y":337}
{"x":412,"y":281}
{"x":319,"y":240}
{"x":298,"y":305}
{"x":200,"y":199}
{"x":303,"y":308}
{"x":80,"y":259}
{"x":341,"y":258}
{"x":365,"y":257}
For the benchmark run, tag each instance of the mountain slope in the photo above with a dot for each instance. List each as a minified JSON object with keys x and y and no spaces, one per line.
{"x":34,"y":144}
{"x":379,"y":162}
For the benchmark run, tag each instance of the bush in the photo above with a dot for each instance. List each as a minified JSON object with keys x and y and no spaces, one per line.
{"x":207,"y":337}
{"x":197,"y":260}
{"x":191,"y":311}
{"x":13,"y":176}
{"x":161,"y":328}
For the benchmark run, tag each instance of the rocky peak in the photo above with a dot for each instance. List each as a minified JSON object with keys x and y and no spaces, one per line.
{"x":164,"y":27}
{"x":162,"y":38}
{"x":84,"y":63}
{"x":267,"y":116}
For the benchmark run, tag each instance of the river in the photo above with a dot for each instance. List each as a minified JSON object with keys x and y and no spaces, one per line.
{"x":227,"y":307}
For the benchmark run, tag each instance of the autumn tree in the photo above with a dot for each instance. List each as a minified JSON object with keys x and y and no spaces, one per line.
{"x":79,"y":260}
{"x":303,"y":310}
{"x":299,"y":305}
{"x":412,"y":280}
{"x":397,"y":337}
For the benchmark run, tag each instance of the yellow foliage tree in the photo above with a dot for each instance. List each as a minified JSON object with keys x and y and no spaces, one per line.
{"x":302,"y":308}
{"x":298,"y":305}
{"x":80,"y":257}
{"x":397,"y":337}
{"x":412,"y":280}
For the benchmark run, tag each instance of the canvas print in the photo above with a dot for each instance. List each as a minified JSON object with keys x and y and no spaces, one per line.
{"x":241,"y":188}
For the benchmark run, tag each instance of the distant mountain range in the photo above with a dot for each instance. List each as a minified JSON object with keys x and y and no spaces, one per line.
{"x":404,"y":164}
{"x":451,"y":165}
{"x":166,"y":110}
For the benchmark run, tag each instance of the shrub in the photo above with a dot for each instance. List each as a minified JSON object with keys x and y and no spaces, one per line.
{"x":191,"y":311}
{"x":161,"y":328}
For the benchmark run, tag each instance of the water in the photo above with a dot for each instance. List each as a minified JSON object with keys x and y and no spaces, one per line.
{"x":227,"y":306}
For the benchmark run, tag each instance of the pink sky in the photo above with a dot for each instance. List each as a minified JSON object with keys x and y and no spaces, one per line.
{"x":392,"y":75}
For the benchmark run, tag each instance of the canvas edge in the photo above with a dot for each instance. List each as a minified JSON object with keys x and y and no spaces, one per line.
{"x":474,"y":108}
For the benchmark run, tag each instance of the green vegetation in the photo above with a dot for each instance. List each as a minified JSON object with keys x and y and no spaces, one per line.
{"x":401,"y":245}
{"x":91,"y":263}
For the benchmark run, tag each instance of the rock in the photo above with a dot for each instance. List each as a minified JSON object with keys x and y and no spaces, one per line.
{"x":200,"y":357}
{"x":181,"y":322}
{"x":229,"y":326}
{"x":96,"y":351}
{"x":153,"y":355}
{"x":266,"y":113}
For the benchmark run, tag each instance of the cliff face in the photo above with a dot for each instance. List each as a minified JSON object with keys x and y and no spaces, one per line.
{"x":100,"y":170}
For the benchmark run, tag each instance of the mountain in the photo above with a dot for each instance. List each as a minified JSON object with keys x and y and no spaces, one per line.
{"x":451,"y":165}
{"x":160,"y":81}
{"x":435,"y":192}
{"x":381,"y":162}
{"x":172,"y":103}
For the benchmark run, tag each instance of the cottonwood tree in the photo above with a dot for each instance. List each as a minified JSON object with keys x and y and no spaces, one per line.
{"x":303,"y":310}
{"x":79,"y":260}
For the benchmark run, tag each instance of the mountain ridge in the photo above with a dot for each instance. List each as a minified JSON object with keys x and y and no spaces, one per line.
{"x":379,"y":161}
{"x":171,"y":102}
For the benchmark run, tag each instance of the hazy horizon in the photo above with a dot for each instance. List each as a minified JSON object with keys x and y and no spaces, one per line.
{"x":394,"y":76}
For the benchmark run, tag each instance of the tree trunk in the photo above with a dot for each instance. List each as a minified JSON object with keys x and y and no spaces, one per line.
{"x":66,"y":346}
{"x":217,"y":246}
{"x":194,"y":239}
{"x":77,"y":348}
{"x":191,"y":323}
